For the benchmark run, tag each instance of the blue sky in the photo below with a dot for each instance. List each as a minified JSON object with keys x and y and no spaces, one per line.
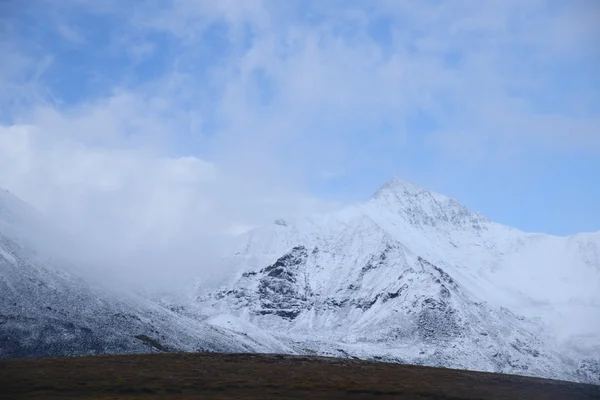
{"x":163,"y":115}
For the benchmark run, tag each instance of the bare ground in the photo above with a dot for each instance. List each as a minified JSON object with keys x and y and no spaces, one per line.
{"x":254,"y":376}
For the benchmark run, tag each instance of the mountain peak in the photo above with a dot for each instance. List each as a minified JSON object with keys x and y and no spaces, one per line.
{"x":423,"y":207}
{"x":399,"y":187}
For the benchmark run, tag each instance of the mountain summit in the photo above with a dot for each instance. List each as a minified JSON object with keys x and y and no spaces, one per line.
{"x":397,"y":187}
{"x":423,"y":207}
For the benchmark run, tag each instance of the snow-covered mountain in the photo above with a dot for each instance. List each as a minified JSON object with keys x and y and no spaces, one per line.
{"x":413,"y":276}
{"x":408,"y":276}
{"x":46,"y":310}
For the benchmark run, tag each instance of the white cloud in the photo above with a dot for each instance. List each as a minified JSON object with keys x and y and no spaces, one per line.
{"x":92,"y":171}
{"x":141,"y":194}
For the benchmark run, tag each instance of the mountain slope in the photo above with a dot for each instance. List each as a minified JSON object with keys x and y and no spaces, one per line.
{"x":47,"y":311}
{"x":414,"y":276}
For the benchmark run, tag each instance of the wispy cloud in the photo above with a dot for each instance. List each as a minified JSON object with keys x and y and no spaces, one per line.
{"x":70,"y":33}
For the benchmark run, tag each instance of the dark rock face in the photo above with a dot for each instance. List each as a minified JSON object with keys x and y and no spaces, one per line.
{"x":437,"y":321}
{"x":377,"y":261}
{"x":279,"y":287}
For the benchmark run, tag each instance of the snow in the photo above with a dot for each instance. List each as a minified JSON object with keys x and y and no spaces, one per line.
{"x":407,"y":276}
{"x":370,"y":284}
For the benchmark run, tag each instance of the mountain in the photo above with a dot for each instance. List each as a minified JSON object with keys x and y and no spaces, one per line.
{"x":46,"y":310}
{"x":407,"y":276}
{"x":413,"y":276}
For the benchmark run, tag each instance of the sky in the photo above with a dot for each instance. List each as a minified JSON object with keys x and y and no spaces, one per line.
{"x":159,"y":124}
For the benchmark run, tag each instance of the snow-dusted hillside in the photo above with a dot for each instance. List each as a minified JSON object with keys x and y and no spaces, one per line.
{"x":414,"y":276}
{"x":45,"y":310}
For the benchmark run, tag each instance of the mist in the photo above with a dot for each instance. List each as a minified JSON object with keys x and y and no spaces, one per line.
{"x":140,"y":220}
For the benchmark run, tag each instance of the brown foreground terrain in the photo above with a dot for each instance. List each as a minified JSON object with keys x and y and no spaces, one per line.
{"x":253,"y":376}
